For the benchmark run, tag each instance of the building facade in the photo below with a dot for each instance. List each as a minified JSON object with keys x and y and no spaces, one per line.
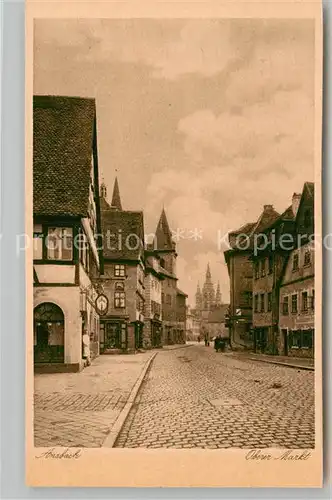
{"x":67,"y":220}
{"x":181,"y":317}
{"x":165,"y":247}
{"x":240,"y":273}
{"x":124,"y":276}
{"x":297,"y":288}
{"x":153,"y":306}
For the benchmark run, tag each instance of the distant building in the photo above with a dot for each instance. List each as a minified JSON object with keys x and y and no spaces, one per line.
{"x":124,"y":275}
{"x":207,"y":300}
{"x":217,"y":322}
{"x":297,"y":288}
{"x":67,"y":220}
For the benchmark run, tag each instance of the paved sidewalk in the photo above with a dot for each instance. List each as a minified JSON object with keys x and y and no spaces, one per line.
{"x":303,"y":363}
{"x":79,"y":409}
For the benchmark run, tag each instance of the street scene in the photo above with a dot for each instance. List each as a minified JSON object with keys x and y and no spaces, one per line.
{"x":191,"y":397}
{"x":173,"y":234}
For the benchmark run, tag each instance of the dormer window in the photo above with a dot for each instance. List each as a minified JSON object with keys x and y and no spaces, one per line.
{"x":119,"y":270}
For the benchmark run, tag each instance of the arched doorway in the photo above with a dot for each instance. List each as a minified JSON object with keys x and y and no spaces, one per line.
{"x":49,"y":328}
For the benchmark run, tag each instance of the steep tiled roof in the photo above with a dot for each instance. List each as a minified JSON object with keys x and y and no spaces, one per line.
{"x":63,"y":130}
{"x":266,"y":219}
{"x":180,"y":292}
{"x":310,"y":187}
{"x":218,"y":315}
{"x":245,"y":229}
{"x":122,"y":232}
{"x":163,"y":237}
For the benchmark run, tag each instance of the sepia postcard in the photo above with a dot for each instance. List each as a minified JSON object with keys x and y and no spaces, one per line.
{"x":173,"y":244}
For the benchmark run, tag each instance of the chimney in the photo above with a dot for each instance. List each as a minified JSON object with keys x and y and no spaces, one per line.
{"x":296,"y":202}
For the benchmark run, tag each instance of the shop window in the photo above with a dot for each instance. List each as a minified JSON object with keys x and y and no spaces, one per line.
{"x":307,"y":339}
{"x":295,"y":339}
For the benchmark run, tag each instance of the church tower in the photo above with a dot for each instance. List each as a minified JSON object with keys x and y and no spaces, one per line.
{"x":198,"y":298}
{"x":218,"y":296}
{"x":208,"y":291}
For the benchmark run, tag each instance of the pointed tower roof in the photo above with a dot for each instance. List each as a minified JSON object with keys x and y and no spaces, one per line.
{"x":163,"y":235}
{"x":116,"y":200}
{"x":208,"y":272}
{"x":218,"y":295}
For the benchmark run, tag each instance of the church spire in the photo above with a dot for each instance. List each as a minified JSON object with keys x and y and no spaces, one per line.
{"x":218,"y":295}
{"x":208,"y":273}
{"x":163,"y":235}
{"x":116,"y":200}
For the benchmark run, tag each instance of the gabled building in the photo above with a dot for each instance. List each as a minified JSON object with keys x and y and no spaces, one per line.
{"x":269,"y":256}
{"x":240,"y":273}
{"x":66,"y":222}
{"x":216,"y":323}
{"x":297,"y":287}
{"x":124,"y":275}
{"x":165,"y":247}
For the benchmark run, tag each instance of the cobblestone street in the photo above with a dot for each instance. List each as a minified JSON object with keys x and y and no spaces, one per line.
{"x":79,"y":409}
{"x":194,"y":397}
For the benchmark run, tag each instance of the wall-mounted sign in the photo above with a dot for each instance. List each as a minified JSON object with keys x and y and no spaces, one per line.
{"x":102,"y":304}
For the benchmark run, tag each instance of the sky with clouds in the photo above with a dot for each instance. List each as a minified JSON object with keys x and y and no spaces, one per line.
{"x":211,"y":119}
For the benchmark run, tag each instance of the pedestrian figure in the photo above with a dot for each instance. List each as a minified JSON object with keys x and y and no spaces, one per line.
{"x":216,"y":343}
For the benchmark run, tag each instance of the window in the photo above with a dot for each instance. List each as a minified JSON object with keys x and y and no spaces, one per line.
{"x":256,"y":303}
{"x":119,"y":270}
{"x":269,"y":302}
{"x":256,"y":270}
{"x":37,"y":241}
{"x":262,"y":302}
{"x":295,"y":262}
{"x":285,"y":306}
{"x":312,"y":302}
{"x":119,"y":299}
{"x":304,"y":301}
{"x":295,"y":339}
{"x":307,"y":339}
{"x":263,"y":267}
{"x":119,"y":286}
{"x":60,"y":243}
{"x":307,"y":258}
{"x":294,"y":303}
{"x":270,"y":264}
